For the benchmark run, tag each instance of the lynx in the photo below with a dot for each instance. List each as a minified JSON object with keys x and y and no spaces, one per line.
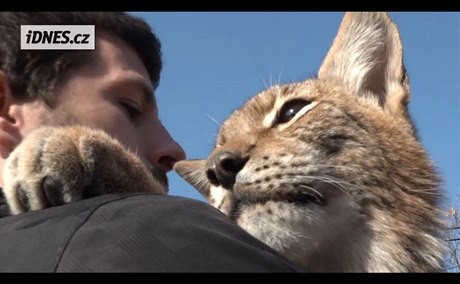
{"x":329,"y":171}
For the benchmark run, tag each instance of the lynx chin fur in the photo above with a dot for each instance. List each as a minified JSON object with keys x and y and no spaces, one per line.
{"x":329,"y":171}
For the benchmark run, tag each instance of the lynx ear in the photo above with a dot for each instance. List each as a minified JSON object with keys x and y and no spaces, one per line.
{"x":366,"y":58}
{"x":193,"y":171}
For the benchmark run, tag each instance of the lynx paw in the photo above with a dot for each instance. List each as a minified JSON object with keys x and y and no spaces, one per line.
{"x":58,"y":165}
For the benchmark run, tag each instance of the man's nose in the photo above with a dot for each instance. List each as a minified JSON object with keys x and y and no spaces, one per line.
{"x":164,"y":151}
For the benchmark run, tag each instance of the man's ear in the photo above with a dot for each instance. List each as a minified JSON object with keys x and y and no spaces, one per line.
{"x":10,"y":135}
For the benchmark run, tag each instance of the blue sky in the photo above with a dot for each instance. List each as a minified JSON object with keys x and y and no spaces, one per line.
{"x":215,"y":61}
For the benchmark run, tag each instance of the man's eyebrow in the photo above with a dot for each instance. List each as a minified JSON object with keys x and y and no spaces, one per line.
{"x":149,"y":97}
{"x":147,"y":91}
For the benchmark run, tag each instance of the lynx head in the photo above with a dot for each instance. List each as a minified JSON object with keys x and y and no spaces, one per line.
{"x":329,"y":171}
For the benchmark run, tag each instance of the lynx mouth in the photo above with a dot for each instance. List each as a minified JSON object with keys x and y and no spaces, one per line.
{"x":303,"y":196}
{"x":298,"y":197}
{"x":295,"y":194}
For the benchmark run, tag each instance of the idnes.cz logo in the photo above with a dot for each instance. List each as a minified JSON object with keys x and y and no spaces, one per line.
{"x":57,"y":37}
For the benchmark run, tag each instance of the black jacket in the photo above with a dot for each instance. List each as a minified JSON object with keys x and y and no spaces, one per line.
{"x":132,"y":233}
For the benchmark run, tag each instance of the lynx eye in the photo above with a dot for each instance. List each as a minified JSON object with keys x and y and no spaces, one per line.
{"x":290,"y":109}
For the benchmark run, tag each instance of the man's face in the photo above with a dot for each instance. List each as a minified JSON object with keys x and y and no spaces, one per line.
{"x":114,"y":93}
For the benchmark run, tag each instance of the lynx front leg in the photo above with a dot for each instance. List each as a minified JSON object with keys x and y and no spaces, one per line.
{"x":58,"y":165}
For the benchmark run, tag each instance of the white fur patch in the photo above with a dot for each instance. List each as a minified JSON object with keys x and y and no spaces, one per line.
{"x":301,"y":232}
{"x":217,"y":194}
{"x":270,"y":118}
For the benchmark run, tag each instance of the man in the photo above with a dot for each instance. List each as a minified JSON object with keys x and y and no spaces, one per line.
{"x":110,"y":88}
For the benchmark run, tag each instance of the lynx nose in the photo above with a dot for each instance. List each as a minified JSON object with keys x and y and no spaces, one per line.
{"x":223,"y":167}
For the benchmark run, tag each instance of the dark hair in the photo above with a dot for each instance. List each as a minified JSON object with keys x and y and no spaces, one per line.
{"x":37,"y":73}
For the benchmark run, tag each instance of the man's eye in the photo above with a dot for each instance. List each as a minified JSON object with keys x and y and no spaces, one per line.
{"x":290,"y":109}
{"x":132,"y":111}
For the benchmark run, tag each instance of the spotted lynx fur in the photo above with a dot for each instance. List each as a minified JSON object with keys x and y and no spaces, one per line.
{"x":329,"y":171}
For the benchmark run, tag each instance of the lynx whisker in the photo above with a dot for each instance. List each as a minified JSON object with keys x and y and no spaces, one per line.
{"x":213,"y":120}
{"x":311,"y":188}
{"x":279,"y":76}
{"x":338,"y":183}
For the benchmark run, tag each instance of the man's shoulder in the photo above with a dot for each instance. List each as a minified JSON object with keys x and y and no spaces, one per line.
{"x":87,"y":207}
{"x":134,"y":203}
{"x":131,"y":232}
